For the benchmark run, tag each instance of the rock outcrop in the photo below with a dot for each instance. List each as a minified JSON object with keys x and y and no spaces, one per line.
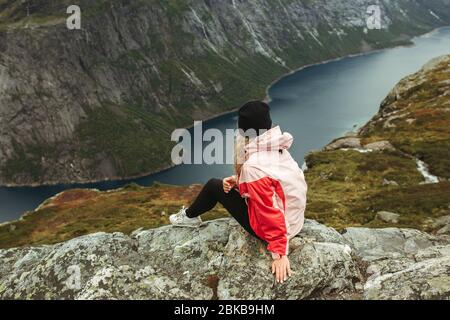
{"x":100,"y":103}
{"x":403,"y":263}
{"x":220,"y":261}
{"x":342,"y":143}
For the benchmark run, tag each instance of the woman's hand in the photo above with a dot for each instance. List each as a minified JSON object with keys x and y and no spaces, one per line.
{"x":282,"y":269}
{"x":229,"y":183}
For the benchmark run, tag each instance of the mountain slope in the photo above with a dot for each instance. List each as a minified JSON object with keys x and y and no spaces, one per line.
{"x":101,"y":103}
{"x":398,"y":162}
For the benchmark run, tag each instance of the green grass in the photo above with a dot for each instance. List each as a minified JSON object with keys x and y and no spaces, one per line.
{"x":132,"y":138}
{"x":346,"y":189}
{"x":27,"y":162}
{"x":81,"y":212}
{"x":416,"y":204}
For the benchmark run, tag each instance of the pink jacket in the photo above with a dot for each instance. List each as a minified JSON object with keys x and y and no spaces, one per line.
{"x":275,"y":189}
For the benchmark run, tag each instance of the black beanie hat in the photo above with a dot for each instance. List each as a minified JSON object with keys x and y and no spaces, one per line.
{"x":255,"y":115}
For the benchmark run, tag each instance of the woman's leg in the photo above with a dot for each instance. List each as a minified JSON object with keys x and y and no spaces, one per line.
{"x":211,"y":194}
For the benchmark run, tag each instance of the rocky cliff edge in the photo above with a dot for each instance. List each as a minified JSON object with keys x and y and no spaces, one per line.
{"x":220,"y":261}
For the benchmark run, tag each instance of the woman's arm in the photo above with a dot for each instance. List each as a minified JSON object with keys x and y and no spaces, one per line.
{"x":266,"y":205}
{"x":271,"y":223}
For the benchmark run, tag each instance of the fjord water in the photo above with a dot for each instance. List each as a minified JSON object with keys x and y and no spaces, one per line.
{"x":316,"y":105}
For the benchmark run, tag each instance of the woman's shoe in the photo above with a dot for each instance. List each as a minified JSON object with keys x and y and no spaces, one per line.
{"x":182,"y":220}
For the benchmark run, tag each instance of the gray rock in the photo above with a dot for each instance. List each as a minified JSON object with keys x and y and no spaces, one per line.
{"x":388,"y":217}
{"x":219,"y":260}
{"x":429,"y":279}
{"x":320,"y":233}
{"x":312,"y":267}
{"x":444,"y":230}
{"x":441,"y":221}
{"x":390,"y":183}
{"x":379,"y":146}
{"x":351,"y":143}
{"x":389,"y":242}
{"x":403,"y":263}
{"x":432,"y":253}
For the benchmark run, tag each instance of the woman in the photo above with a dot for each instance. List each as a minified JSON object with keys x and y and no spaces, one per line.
{"x":267,"y":196}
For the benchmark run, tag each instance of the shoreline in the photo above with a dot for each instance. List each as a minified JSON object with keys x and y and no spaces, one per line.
{"x":80,"y":184}
{"x":267,"y":98}
{"x":352,"y":55}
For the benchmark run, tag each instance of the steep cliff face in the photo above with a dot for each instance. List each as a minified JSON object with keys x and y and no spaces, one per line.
{"x":221,"y":261}
{"x":101,"y":102}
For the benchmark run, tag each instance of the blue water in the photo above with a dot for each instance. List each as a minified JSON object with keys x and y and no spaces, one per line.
{"x":316,"y":105}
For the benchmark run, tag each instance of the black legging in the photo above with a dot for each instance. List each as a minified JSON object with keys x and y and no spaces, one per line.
{"x":213,"y":193}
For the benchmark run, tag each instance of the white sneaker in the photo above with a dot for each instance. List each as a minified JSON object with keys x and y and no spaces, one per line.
{"x":182,"y":220}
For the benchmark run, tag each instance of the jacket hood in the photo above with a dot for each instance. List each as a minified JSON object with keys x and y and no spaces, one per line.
{"x":272,"y":140}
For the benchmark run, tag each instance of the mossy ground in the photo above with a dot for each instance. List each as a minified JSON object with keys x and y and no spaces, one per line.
{"x":340,"y":196}
{"x":347,"y":189}
{"x":79,"y":212}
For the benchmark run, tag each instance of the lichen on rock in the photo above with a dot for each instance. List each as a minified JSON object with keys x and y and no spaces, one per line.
{"x":220,"y":261}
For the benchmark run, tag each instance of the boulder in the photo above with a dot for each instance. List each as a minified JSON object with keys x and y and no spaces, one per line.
{"x":444,"y":230}
{"x":402,"y":264}
{"x":387,"y":182}
{"x":379,"y":146}
{"x":389,"y":242}
{"x":388,"y":217}
{"x":429,"y":280}
{"x":218,"y":260}
{"x":350,"y":143}
{"x":441,"y":221}
{"x":221,"y":261}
